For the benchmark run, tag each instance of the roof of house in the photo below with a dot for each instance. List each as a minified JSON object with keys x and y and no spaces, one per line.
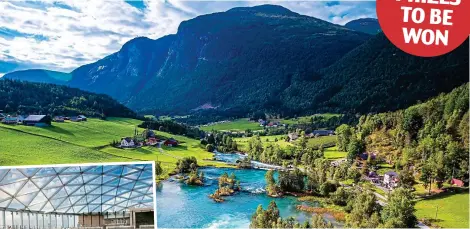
{"x":11,"y":118}
{"x":391,"y":173}
{"x":34,"y":118}
{"x":82,"y":116}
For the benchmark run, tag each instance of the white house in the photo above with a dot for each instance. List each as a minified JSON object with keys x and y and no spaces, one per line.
{"x":390,"y":179}
{"x":127,"y":142}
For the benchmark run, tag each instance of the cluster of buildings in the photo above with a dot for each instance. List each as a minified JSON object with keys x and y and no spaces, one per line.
{"x":78,"y":118}
{"x":30,"y":120}
{"x":273,"y":124}
{"x":314,"y":134}
{"x":37,"y":120}
{"x":150,"y":139}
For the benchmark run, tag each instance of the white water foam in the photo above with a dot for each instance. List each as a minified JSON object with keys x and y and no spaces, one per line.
{"x":229,"y":221}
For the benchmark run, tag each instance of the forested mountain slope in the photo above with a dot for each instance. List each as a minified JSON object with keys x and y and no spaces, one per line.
{"x":40,"y":76}
{"x":240,"y":59}
{"x":378,"y":77}
{"x":38,"y":98}
{"x":431,"y":137}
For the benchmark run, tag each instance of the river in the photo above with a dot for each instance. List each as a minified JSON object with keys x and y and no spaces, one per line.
{"x":183,"y":206}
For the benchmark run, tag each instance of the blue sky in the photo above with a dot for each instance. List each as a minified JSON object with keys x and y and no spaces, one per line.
{"x":64,"y":34}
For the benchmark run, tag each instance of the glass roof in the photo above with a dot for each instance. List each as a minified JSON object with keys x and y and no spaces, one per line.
{"x":77,"y":189}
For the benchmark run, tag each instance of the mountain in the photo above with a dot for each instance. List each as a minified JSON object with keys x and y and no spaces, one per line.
{"x":365,"y":25}
{"x":28,"y":98}
{"x":269,"y":59}
{"x":240,"y":60}
{"x":40,"y":76}
{"x":378,"y":77}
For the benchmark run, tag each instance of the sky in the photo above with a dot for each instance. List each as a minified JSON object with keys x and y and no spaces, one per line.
{"x":62,"y":35}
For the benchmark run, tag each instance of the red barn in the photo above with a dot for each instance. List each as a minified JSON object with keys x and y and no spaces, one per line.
{"x":457,"y":182}
{"x":171,"y":142}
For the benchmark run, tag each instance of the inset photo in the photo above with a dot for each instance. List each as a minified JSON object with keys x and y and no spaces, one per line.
{"x":113,"y":195}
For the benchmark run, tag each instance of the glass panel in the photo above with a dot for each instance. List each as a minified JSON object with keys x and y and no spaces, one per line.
{"x":8,"y":216}
{"x":29,"y":171}
{"x":12,"y":176}
{"x":42,"y":181}
{"x":13,"y":187}
{"x":26,"y":199}
{"x":25,"y":219}
{"x":29,"y":187}
{"x":40,"y":221}
{"x":40,"y":198}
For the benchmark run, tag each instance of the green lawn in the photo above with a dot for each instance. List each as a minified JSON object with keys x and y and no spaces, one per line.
{"x":71,"y":142}
{"x":93,"y":133}
{"x":307,"y":119}
{"x":266,"y":140}
{"x":334,"y":153}
{"x":19,"y":148}
{"x":326,"y":141}
{"x":236,"y":125}
{"x":452,"y":210}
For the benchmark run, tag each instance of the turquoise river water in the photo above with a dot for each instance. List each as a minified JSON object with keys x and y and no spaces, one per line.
{"x":183,"y":206}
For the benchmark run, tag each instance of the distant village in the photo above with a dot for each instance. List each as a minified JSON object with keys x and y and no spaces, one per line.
{"x":37,"y":120}
{"x":147,"y":138}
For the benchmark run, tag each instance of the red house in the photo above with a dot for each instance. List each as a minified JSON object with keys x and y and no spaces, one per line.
{"x":171,"y":142}
{"x":457,"y":182}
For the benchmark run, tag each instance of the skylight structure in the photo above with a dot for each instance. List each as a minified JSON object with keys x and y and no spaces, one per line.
{"x":76,"y":190}
{"x":71,"y":191}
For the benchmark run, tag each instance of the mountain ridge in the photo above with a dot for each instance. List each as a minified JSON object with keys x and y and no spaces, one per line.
{"x":268,"y":58}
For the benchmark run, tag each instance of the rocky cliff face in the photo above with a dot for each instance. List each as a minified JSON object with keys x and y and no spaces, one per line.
{"x":241,"y":58}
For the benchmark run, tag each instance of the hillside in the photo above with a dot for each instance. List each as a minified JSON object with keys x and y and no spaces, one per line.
{"x":241,"y":59}
{"x":365,"y":25}
{"x":40,"y":76}
{"x":80,"y":142}
{"x":27,"y":98}
{"x":378,"y":77}
{"x":432,"y":135}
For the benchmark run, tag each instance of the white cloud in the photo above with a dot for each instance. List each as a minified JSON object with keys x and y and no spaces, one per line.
{"x":62,"y":35}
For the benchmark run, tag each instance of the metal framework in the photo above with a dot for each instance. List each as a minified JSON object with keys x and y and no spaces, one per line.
{"x":76,"y":190}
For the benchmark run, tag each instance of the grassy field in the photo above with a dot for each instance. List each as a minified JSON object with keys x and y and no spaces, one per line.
{"x":334,"y":153}
{"x":71,"y":142}
{"x":243,"y":142}
{"x":452,"y":210}
{"x":326,"y":141}
{"x":307,"y":119}
{"x":236,"y":125}
{"x":19,"y":148}
{"x":93,"y":133}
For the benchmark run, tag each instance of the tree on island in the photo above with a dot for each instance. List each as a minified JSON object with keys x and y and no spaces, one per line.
{"x":272,"y":188}
{"x":228,"y":185}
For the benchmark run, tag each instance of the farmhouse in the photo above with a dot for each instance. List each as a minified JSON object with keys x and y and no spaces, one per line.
{"x":75,"y":119}
{"x":127,"y":142}
{"x":82,"y":118}
{"x":171,"y":142}
{"x":390,"y":179}
{"x":457,"y":182}
{"x":11,"y":120}
{"x":293,"y":136}
{"x":37,"y":120}
{"x":319,"y":133}
{"x":58,"y":119}
{"x":21,"y":118}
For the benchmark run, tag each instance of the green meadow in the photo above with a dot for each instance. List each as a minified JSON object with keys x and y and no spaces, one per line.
{"x":80,"y":142}
{"x":236,"y":125}
{"x":452,"y":210}
{"x":308,"y":119}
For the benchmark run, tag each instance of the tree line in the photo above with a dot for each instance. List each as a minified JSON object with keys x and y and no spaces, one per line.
{"x":23,"y":98}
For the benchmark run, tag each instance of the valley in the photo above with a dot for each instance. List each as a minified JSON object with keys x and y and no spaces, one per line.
{"x":260,"y":117}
